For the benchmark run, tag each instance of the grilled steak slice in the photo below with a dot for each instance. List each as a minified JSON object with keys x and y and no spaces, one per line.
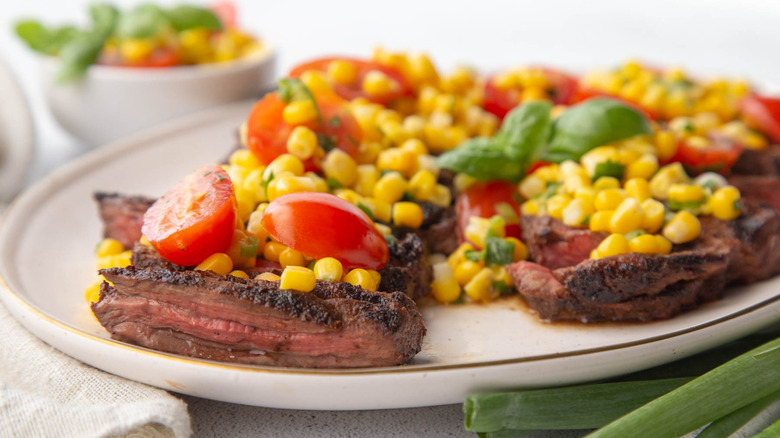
{"x":408,"y":269}
{"x":555,"y":245}
{"x":755,"y":162}
{"x":201,"y":314}
{"x":122,"y":216}
{"x":753,"y":239}
{"x":437,"y":230}
{"x":758,"y":188}
{"x":625,"y":287}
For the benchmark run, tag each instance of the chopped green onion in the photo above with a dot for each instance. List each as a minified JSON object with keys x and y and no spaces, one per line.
{"x":739,"y":382}
{"x":578,"y":407}
{"x":498,"y":251}
{"x":250,"y":247}
{"x":726,"y":426}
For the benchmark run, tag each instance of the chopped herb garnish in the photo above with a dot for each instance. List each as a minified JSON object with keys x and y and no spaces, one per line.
{"x":294,"y":89}
{"x":326,"y":142}
{"x":333,"y":183}
{"x":334,"y":122}
{"x":221,"y":178}
{"x":609,"y":168}
{"x":366,"y":210}
{"x":311,"y":264}
{"x":267,"y":180}
{"x":550,"y":191}
{"x":498,"y":251}
{"x":353,"y":140}
{"x":585,"y":221}
{"x":634,"y":233}
{"x":686,"y":205}
{"x":473,"y":255}
{"x":390,"y":239}
{"x":407,"y":197}
{"x":501,"y":287}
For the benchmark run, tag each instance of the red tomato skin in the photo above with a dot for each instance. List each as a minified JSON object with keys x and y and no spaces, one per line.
{"x":501,"y":102}
{"x":323,"y":225}
{"x":480,"y":200}
{"x":226,"y":11}
{"x":765,"y":112}
{"x":354,"y":91}
{"x":267,"y":132}
{"x":185,"y":230}
{"x":159,"y":58}
{"x":717,"y":158}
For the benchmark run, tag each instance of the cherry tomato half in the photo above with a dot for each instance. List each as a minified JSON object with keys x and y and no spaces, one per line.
{"x":354,"y":89}
{"x":764,"y":112}
{"x":323,"y":225}
{"x":194,"y":219}
{"x":500,"y":102}
{"x":481,"y":200}
{"x":267,"y":132}
{"x":718,"y":157}
{"x":160,"y":57}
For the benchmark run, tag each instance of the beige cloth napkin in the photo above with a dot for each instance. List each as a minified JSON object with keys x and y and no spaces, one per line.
{"x":46,"y":393}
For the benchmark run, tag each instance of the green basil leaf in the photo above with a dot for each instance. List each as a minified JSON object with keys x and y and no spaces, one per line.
{"x":186,"y":17}
{"x":104,"y":18}
{"x":525,"y":131}
{"x":593,"y":123}
{"x":44,"y":40}
{"x":498,"y":251}
{"x":481,"y":158}
{"x":143,"y":21}
{"x":78,"y":54}
{"x":474,"y":256}
{"x":609,"y":168}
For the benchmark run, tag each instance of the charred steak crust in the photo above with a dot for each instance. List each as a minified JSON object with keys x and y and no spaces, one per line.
{"x":758,"y":162}
{"x":122,"y":216}
{"x":226,"y":318}
{"x":437,"y":231}
{"x":763,"y":189}
{"x":408,"y":269}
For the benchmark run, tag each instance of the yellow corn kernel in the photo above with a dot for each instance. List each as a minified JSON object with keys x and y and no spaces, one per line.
{"x":254,"y":227}
{"x":654,"y":215}
{"x":382,"y":210}
{"x":644,"y":167}
{"x":666,"y":144}
{"x":383,"y":229}
{"x":367,"y":176}
{"x":609,"y":199}
{"x":413,"y":125}
{"x":92,"y":292}
{"x":532,"y":186}
{"x":459,"y":255}
{"x":576,"y":213}
{"x":549,"y":174}
{"x":239,"y":274}
{"x":685,"y":193}
{"x":444,"y":287}
{"x":267,"y":276}
{"x":441,"y":196}
{"x":320,"y":185}
{"x":329,"y":269}
{"x":272,"y":250}
{"x":108,"y":247}
{"x":220,"y":263}
{"x":600,"y":220}
{"x":638,"y":188}
{"x":299,"y":112}
{"x":377,"y":84}
{"x":725,"y":203}
{"x":391,"y":187}
{"x":284,"y":163}
{"x":362,"y":278}
{"x":530,"y":207}
{"x":397,"y":159}
{"x":114,"y":260}
{"x":244,"y":158}
{"x":415,"y":146}
{"x":664,"y":245}
{"x":665,"y":177}
{"x":302,"y":142}
{"x":297,"y":278}
{"x":135,"y":50}
{"x":587,"y":195}
{"x":575,"y":181}
{"x":466,"y":270}
{"x":291,"y":257}
{"x":520,"y":251}
{"x":286,"y":184}
{"x":598,"y":155}
{"x":341,"y":167}
{"x":556,"y":204}
{"x":422,"y":185}
{"x":614,"y":244}
{"x":645,"y":244}
{"x":316,"y":81}
{"x":407,"y":214}
{"x":606,"y":182}
{"x":343,"y":72}
{"x":684,"y":227}
{"x":628,"y":217}
{"x":480,"y":288}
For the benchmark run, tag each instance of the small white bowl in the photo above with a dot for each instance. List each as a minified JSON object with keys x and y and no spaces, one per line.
{"x":112,"y":102}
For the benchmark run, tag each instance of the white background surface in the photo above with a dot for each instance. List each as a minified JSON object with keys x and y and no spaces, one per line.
{"x":716,"y":37}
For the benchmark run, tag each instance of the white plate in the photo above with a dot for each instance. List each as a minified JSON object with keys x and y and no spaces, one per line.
{"x":16,"y":135}
{"x":48,"y":235}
